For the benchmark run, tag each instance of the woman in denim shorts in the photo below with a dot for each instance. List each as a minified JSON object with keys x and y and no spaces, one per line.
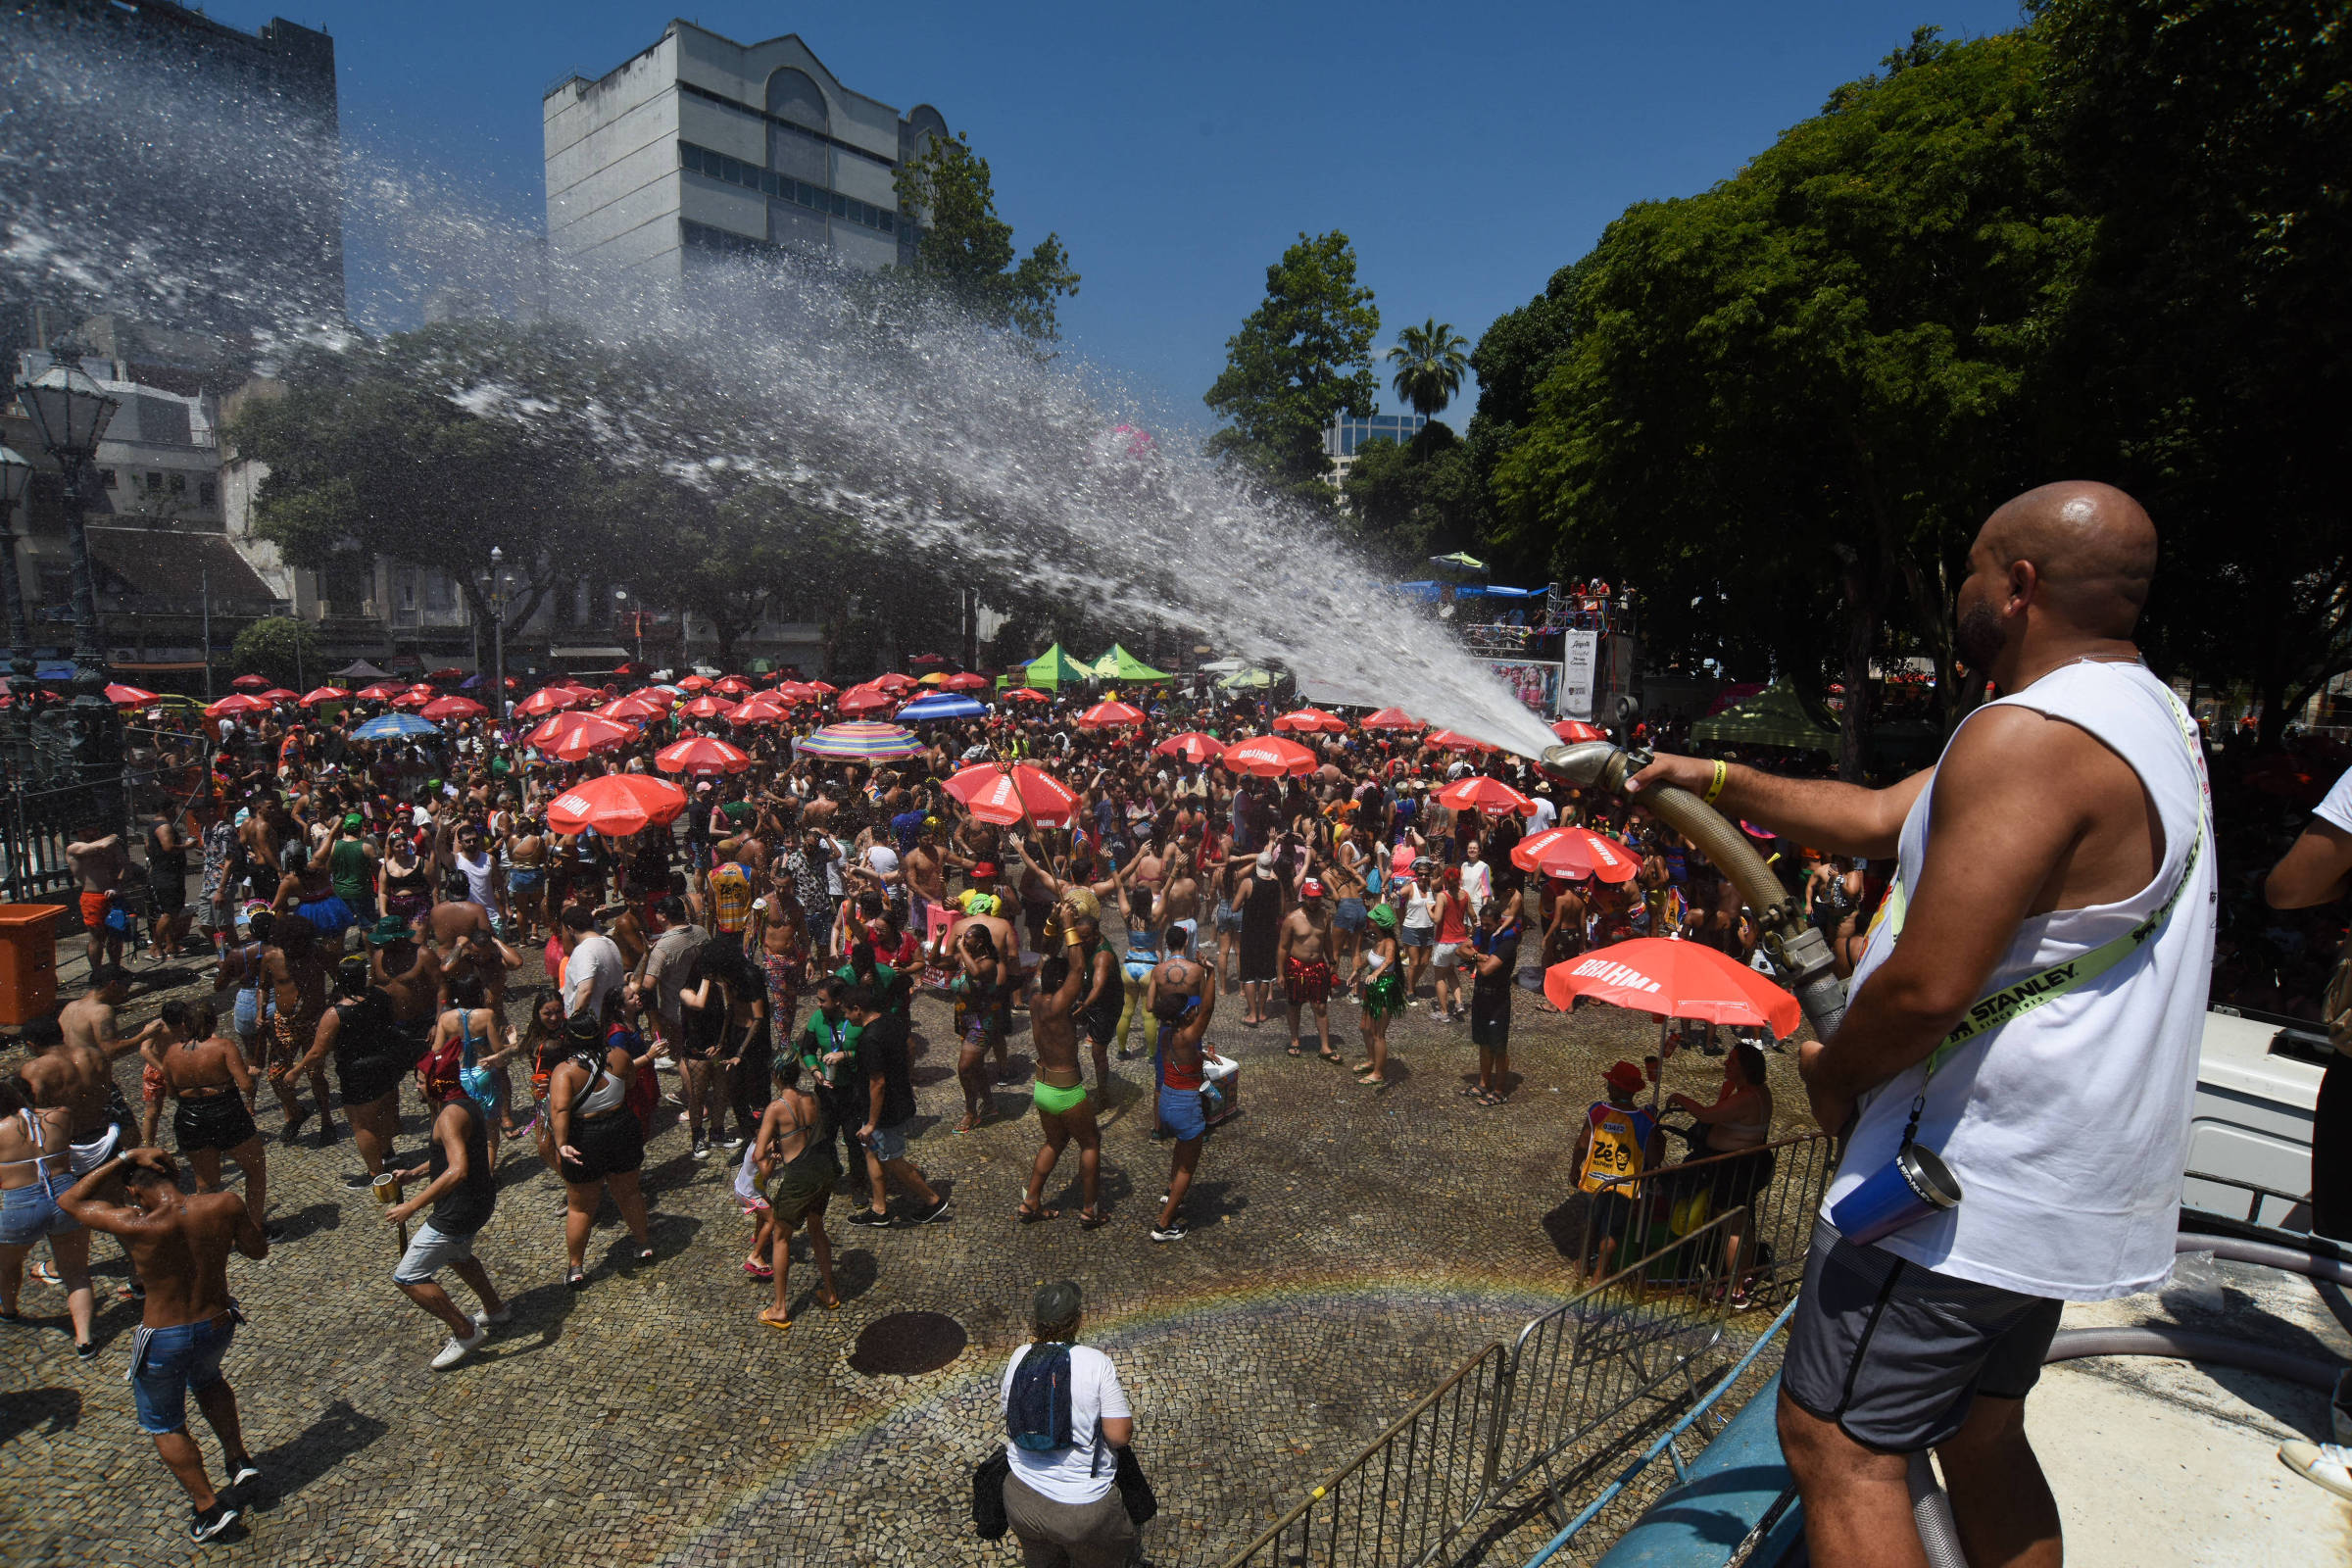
{"x":33,"y":1170}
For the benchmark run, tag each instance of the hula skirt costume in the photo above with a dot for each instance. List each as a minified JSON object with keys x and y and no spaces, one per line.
{"x":1383,"y":995}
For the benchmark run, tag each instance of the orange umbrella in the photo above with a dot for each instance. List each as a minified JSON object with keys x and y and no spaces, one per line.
{"x":1192,"y":746}
{"x":732,"y":685}
{"x":965,"y":682}
{"x":701,"y":753}
{"x":1479,"y":793}
{"x":1311,"y":722}
{"x":1110,"y":715}
{"x":383,"y":691}
{"x":1674,"y":980}
{"x":127,"y":696}
{"x":1576,"y":730}
{"x":708,"y":705}
{"x":994,"y":794}
{"x":324,"y":694}
{"x":1394,"y":718}
{"x":617,"y":804}
{"x":1268,"y":757}
{"x":1574,"y":851}
{"x":441,"y":707}
{"x":236,"y":703}
{"x":1448,"y":740}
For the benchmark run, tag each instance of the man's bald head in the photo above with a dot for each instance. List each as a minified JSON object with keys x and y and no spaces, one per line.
{"x":2092,"y":547}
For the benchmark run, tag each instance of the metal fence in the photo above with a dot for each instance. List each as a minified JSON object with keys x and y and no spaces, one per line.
{"x":1579,"y":1381}
{"x":1639,"y":1339}
{"x":162,"y":772}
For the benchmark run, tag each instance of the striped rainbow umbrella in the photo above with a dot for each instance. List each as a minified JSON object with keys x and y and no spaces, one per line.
{"x":861,"y":741}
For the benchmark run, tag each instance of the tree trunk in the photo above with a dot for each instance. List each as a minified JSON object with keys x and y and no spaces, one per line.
{"x":1861,"y":635}
{"x":2272,"y":693}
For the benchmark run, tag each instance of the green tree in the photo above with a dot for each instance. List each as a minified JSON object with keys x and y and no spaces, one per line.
{"x":1820,"y":368}
{"x":1411,"y":500}
{"x":1429,"y":362}
{"x":2207,"y":362}
{"x":1300,"y":359}
{"x":1517,"y":351}
{"x":285,"y":649}
{"x":965,"y":251}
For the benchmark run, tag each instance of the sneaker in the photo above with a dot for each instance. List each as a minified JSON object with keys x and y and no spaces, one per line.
{"x":2328,"y":1464}
{"x":702,"y":1148}
{"x":458,"y":1350}
{"x":274,"y":1232}
{"x":938,"y":1213}
{"x":1168,"y":1233}
{"x":732,"y":1142}
{"x":871,"y":1220}
{"x":209,"y":1522}
{"x":504,"y":1314}
{"x":359,"y":1181}
{"x":243,"y":1471}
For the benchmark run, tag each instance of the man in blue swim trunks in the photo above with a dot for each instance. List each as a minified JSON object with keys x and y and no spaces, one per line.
{"x":1183,"y":1025}
{"x":179,"y":1244}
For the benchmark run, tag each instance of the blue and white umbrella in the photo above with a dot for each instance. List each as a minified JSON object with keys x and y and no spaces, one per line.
{"x":394,"y":727}
{"x":941,"y":704}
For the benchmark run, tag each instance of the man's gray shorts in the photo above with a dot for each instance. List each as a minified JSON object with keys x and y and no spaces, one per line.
{"x":429,"y":1253}
{"x":1896,"y":1353}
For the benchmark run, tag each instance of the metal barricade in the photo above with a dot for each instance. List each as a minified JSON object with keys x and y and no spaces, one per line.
{"x":1409,"y":1494}
{"x":1622,"y":1349}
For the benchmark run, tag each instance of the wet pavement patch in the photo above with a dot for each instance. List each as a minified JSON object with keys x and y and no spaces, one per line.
{"x":904,"y":1344}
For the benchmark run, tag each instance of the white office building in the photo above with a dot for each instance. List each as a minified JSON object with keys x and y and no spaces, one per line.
{"x":703,"y":144}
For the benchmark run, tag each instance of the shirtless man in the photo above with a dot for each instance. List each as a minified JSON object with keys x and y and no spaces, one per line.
{"x":526,"y":878}
{"x":1063,"y":1112}
{"x":411,"y":975}
{"x":1008,"y":944}
{"x":298,"y":984}
{"x":179,"y":1245}
{"x":794,"y":1156}
{"x":1180,"y":900}
{"x":79,"y":1073}
{"x":1183,"y":1026}
{"x":1180,"y":973}
{"x":1303,"y":952}
{"x":98,"y":861}
{"x":926,"y":873}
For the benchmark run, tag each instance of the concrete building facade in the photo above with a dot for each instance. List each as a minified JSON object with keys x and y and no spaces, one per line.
{"x":701,"y":144}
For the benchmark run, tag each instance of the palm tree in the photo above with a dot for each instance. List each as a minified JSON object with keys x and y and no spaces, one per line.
{"x":1429,"y":362}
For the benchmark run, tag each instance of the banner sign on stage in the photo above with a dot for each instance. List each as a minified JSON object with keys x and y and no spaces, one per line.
{"x":1582,"y":650}
{"x":1537,"y":683}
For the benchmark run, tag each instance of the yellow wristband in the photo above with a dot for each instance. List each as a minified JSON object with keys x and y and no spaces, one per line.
{"x":1723,"y":774}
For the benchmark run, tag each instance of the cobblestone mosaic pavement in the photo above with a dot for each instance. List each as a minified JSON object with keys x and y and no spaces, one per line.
{"x":1349,"y":1250}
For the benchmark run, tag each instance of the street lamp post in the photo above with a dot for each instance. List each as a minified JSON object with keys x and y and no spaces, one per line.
{"x":15,"y":476}
{"x":621,"y":597}
{"x":498,"y":634}
{"x":69,"y":412}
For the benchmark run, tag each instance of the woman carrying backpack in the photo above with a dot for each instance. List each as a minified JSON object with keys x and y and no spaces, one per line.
{"x":1066,"y":1419}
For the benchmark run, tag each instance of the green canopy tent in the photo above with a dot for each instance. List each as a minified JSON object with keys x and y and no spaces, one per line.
{"x":1047,"y":671}
{"x":1460,"y":560}
{"x":1774,"y":717}
{"x":1121,"y":666}
{"x":1248,"y":680}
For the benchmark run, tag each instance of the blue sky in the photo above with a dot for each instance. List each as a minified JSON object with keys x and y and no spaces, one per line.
{"x":1468,"y":150}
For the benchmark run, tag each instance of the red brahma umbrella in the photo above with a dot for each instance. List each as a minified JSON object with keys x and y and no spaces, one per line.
{"x":1268,"y":757}
{"x":701,"y":753}
{"x":383,"y":691}
{"x":617,"y":804}
{"x":1110,"y":715}
{"x":441,"y":707}
{"x":994,"y":794}
{"x":965,"y":682}
{"x":1394,"y":718}
{"x":1448,"y":740}
{"x":865,"y":699}
{"x":1573,"y":730}
{"x":128,"y":696}
{"x":251,"y":683}
{"x":708,"y":705}
{"x":1192,"y":746}
{"x":1311,"y":722}
{"x":1675,"y":980}
{"x":1026,"y":694}
{"x":732,"y":685}
{"x":324,"y":694}
{"x":548,"y":700}
{"x":1479,"y":793}
{"x":894,"y":681}
{"x":1575,"y":852}
{"x":236,"y":703}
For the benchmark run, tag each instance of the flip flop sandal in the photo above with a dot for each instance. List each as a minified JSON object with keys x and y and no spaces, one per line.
{"x":1333,"y":1055}
{"x":45,"y":1273}
{"x":834,"y":1305}
{"x":576,"y":1278}
{"x":1089,"y":1220}
{"x":759,"y":1272}
{"x":778,"y":1324}
{"x":1295,"y":1051}
{"x":1031,"y":1216}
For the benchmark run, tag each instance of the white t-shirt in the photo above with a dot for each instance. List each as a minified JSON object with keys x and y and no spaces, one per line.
{"x":1545,"y":815}
{"x":592,"y":972}
{"x":882,"y":861}
{"x":1094,"y":1395}
{"x":2336,"y":809}
{"x":1477,"y":885}
{"x":2068,"y":1126}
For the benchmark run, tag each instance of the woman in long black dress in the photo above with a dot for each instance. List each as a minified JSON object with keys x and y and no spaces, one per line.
{"x":1261,"y":936}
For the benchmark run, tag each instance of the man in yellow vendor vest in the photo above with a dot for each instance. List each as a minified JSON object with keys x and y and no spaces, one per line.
{"x":1618,"y":1141}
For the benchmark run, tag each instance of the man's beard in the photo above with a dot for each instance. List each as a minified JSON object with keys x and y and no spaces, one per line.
{"x":1978,"y":639}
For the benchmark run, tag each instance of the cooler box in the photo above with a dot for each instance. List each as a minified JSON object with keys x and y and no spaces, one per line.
{"x":27,"y":960}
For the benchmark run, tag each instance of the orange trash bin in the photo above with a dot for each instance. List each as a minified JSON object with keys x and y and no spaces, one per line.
{"x":27,"y":960}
